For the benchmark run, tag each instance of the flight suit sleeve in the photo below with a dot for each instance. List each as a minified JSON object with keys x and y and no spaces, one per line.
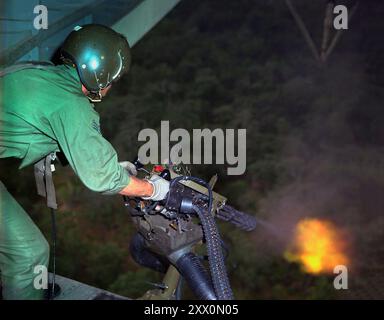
{"x":91,"y":156}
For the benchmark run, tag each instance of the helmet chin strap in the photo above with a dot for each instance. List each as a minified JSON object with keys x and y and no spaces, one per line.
{"x":94,"y":96}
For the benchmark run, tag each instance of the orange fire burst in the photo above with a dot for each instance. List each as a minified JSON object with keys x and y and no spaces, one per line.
{"x":318,"y":246}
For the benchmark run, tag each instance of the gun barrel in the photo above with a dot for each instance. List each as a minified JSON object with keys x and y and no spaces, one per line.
{"x":240,"y":219}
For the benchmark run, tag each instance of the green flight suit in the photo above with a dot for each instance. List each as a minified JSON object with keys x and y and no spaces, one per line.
{"x":42,"y":111}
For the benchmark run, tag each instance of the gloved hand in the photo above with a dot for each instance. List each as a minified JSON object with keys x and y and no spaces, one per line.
{"x":160,"y":188}
{"x":129,"y":166}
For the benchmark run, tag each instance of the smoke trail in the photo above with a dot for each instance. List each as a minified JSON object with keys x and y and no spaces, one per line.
{"x":334,"y":169}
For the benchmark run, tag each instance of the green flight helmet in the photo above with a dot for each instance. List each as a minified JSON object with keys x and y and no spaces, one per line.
{"x":100,"y":54}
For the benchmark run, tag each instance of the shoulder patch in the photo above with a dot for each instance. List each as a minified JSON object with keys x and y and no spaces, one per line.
{"x":96,"y":125}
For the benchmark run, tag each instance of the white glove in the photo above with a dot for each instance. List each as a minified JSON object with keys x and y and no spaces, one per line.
{"x":160,"y":188}
{"x":129,"y":166}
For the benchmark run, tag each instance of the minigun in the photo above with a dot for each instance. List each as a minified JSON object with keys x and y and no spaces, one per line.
{"x":169,"y":230}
